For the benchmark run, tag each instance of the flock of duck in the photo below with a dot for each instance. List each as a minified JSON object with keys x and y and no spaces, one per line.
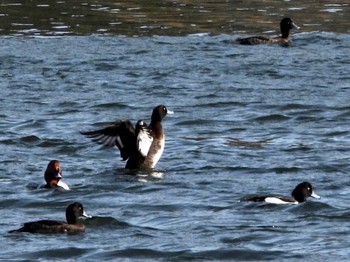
{"x":141,"y":146}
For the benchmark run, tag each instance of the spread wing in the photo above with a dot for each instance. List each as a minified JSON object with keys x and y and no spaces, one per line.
{"x":144,"y":138}
{"x":120,"y":134}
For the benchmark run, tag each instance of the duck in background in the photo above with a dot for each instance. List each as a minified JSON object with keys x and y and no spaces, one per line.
{"x":141,"y":147}
{"x":300,"y":193}
{"x":53,"y":176}
{"x":73,"y":225}
{"x":286,"y":25}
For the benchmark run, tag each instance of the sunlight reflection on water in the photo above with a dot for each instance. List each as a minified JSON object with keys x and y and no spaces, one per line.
{"x":136,"y":18}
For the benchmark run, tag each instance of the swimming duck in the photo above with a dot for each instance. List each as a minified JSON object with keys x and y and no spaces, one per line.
{"x":142,"y":146}
{"x":300,"y":193}
{"x":73,"y":225}
{"x":53,"y":176}
{"x":285,"y":25}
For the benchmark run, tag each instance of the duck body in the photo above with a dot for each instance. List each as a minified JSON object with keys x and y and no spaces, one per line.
{"x":51,"y":227}
{"x":140,"y":146}
{"x":73,"y":224}
{"x":300,"y":193}
{"x":286,"y":25}
{"x":258,"y":40}
{"x":53,"y":176}
{"x":272,"y":199}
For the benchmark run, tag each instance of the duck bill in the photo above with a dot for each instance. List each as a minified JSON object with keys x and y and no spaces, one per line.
{"x":314,"y":195}
{"x":60,"y":183}
{"x":86,"y":215}
{"x":169,"y":112}
{"x":58,"y":175}
{"x":295,"y":26}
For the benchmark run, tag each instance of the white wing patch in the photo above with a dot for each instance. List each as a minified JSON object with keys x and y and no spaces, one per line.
{"x":276,"y":200}
{"x":144,"y":141}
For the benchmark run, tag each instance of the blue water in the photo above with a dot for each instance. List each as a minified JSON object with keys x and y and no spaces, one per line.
{"x":247,"y":120}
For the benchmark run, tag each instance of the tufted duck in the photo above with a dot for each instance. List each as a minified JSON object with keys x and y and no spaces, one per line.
{"x":141,"y":146}
{"x":285,"y":25}
{"x":300,"y":193}
{"x":73,"y":225}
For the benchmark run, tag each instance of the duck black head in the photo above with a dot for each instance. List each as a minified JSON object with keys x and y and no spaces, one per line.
{"x":159,"y":112}
{"x":286,"y":25}
{"x":74,"y":211}
{"x":302,"y":191}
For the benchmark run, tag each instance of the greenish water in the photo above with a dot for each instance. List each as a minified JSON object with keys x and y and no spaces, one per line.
{"x":143,"y":18}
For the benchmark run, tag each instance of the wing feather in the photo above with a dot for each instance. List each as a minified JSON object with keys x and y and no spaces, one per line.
{"x":120,"y":134}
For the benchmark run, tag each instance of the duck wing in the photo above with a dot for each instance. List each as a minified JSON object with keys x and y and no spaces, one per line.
{"x":253,"y":199}
{"x":43,"y":223}
{"x":144,"y":138}
{"x":277,"y":199}
{"x":273,"y":199}
{"x":253,"y":40}
{"x":41,"y":226}
{"x":120,"y":134}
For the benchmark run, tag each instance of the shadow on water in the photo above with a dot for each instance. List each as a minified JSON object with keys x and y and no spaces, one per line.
{"x":143,"y":18}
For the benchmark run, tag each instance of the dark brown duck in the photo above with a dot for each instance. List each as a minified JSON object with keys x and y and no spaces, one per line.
{"x":73,"y":225}
{"x":286,"y":25}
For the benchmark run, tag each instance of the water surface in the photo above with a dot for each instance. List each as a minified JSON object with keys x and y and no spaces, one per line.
{"x":247,"y":120}
{"x":144,"y":18}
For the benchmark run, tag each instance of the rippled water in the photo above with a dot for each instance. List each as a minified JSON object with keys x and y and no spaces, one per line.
{"x":247,"y":120}
{"x":174,"y":17}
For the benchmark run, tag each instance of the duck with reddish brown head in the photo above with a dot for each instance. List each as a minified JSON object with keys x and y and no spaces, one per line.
{"x":53,"y":176}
